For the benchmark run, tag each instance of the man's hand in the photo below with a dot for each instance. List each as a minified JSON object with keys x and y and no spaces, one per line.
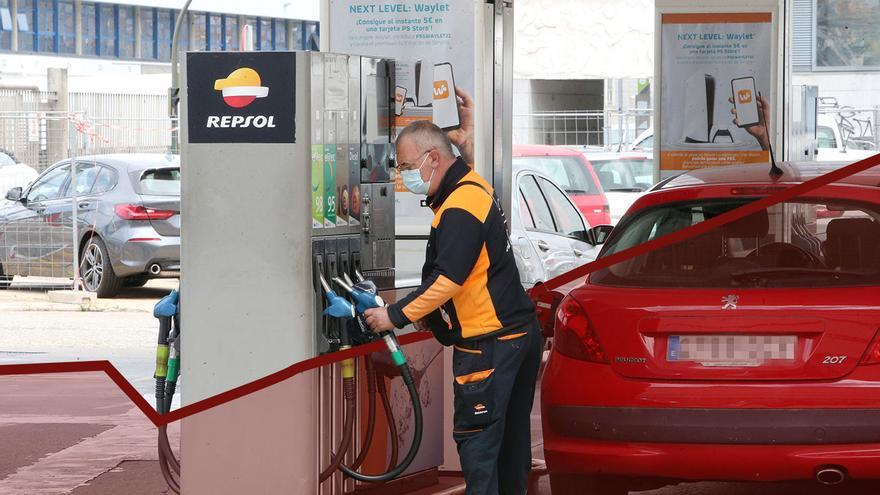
{"x":378,"y":320}
{"x":760,"y":131}
{"x":463,"y":137}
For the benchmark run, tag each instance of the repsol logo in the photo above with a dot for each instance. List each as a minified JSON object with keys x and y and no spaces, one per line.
{"x":240,"y":122}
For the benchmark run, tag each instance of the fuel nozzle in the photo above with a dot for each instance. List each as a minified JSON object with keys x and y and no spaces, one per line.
{"x":364,"y":294}
{"x":338,"y":306}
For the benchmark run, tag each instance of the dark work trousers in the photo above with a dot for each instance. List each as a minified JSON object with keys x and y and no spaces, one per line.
{"x":494,"y":390}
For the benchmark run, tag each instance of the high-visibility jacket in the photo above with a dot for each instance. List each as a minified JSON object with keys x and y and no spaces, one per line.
{"x":470,"y":284}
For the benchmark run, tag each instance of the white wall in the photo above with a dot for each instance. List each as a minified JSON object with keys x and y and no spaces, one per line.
{"x":856,"y":89}
{"x":583,"y":39}
{"x":86,"y":74}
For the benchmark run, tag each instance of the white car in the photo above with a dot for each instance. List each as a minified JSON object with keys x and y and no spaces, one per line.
{"x":830,"y":145}
{"x":13,"y":174}
{"x":624,"y":176}
{"x":548,"y":233}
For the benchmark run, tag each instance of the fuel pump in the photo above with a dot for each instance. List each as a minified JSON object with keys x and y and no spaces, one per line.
{"x":167,"y":311}
{"x":364,"y":296}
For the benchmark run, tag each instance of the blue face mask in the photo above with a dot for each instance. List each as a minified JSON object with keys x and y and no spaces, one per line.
{"x":412,"y":179}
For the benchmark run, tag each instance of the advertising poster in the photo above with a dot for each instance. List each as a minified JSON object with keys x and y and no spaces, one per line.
{"x":717,"y":89}
{"x":431,"y":43}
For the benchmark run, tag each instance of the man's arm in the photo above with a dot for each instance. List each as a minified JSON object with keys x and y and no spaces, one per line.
{"x":459,"y":238}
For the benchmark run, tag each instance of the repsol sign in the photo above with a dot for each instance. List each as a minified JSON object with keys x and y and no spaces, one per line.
{"x":228,"y":121}
{"x":241,"y":97}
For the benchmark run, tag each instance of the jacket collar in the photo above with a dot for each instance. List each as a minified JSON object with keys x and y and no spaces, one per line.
{"x":456,"y":172}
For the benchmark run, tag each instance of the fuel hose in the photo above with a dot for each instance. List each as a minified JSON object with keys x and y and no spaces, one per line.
{"x":399,"y":360}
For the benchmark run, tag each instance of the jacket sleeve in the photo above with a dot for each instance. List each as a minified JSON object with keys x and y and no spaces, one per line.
{"x":459,"y":238}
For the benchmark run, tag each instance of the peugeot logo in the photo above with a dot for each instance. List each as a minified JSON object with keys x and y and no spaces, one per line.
{"x":729,"y":302}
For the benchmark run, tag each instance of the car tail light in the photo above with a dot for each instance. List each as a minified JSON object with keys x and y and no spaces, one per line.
{"x":137,"y":212}
{"x":872,"y":355}
{"x":574,"y":335}
{"x":545,"y":309}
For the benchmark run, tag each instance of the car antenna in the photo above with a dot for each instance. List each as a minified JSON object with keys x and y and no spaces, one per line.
{"x":775,"y":171}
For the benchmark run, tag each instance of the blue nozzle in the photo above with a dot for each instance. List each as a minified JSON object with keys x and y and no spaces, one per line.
{"x":168,"y":306}
{"x":364,"y":300}
{"x":339,"y":307}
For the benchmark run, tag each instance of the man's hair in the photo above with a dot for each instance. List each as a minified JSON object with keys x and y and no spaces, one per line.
{"x":426,"y":135}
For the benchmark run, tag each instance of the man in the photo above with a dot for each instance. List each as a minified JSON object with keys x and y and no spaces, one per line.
{"x":471,"y":298}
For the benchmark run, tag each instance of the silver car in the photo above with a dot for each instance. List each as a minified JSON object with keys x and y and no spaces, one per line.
{"x":128,"y":222}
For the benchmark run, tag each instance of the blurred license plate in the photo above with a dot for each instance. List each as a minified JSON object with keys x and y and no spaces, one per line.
{"x":719,"y":349}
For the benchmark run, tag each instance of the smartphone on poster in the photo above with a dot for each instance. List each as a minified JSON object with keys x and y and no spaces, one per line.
{"x":745,"y":101}
{"x":445,"y":104}
{"x":399,"y":100}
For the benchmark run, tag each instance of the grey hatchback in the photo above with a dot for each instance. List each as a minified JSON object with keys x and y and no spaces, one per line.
{"x":128,"y":219}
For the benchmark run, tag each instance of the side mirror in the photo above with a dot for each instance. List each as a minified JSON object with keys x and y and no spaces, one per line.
{"x":599,"y":234}
{"x":14,"y":194}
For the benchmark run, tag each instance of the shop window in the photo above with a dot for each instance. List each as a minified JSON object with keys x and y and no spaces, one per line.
{"x":232,"y":32}
{"x":126,"y":32}
{"x":846,"y":34}
{"x":66,"y":27}
{"x":164,"y":31}
{"x":89,"y":29}
{"x":281,"y":34}
{"x":107,"y":30}
{"x":312,"y":40}
{"x":296,"y":32}
{"x":46,"y":26}
{"x":200,"y":31}
{"x":25,"y":19}
{"x":265,"y":35}
{"x":215,"y":33}
{"x":148,"y":33}
{"x":5,"y":25}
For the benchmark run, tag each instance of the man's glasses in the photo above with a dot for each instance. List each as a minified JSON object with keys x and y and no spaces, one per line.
{"x":411,"y":165}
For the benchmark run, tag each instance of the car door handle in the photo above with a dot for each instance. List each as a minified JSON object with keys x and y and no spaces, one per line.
{"x":40,"y":210}
{"x":543,"y":246}
{"x":579,"y":253}
{"x":84,"y":204}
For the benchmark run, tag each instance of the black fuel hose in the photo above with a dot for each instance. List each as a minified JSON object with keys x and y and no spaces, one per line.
{"x":406,"y":374}
{"x":371,"y":414}
{"x":389,"y":418}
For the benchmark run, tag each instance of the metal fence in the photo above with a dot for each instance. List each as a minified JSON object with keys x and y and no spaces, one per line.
{"x":37,"y":242}
{"x":608,"y":129}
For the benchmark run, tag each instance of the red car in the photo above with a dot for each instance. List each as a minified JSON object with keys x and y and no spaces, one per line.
{"x":748,"y":353}
{"x":573,"y":173}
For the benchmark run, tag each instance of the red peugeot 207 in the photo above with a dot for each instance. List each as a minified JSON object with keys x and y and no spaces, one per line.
{"x":748,"y":353}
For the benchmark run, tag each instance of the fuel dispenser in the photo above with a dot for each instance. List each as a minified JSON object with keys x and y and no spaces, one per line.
{"x":288,"y":159}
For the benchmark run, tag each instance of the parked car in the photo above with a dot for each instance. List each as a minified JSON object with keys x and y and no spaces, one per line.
{"x":624,"y":176}
{"x":572,"y":172}
{"x":548,"y":233}
{"x":830,"y":145}
{"x":13,"y":173}
{"x":644,"y":141}
{"x":750,"y":352}
{"x":128,"y":220}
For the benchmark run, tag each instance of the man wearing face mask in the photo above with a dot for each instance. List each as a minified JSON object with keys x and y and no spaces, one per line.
{"x":471,"y":298}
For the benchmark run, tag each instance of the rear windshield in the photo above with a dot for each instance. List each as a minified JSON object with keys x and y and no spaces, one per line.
{"x":569,"y":172}
{"x":809,"y":243}
{"x":160,"y":182}
{"x":626,"y":175}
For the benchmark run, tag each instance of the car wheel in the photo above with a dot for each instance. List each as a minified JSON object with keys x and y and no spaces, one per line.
{"x":96,"y":271}
{"x":580,"y":484}
{"x":135,"y":281}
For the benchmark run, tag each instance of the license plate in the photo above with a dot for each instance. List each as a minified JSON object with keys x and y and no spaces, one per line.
{"x":732,"y":349}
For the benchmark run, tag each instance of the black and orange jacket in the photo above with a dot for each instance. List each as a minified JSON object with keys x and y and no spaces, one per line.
{"x":470,"y":284}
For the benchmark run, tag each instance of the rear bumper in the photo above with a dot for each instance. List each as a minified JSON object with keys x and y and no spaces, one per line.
{"x":717,"y":426}
{"x":709,"y":462}
{"x":596,"y":421}
{"x":134,"y":250}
